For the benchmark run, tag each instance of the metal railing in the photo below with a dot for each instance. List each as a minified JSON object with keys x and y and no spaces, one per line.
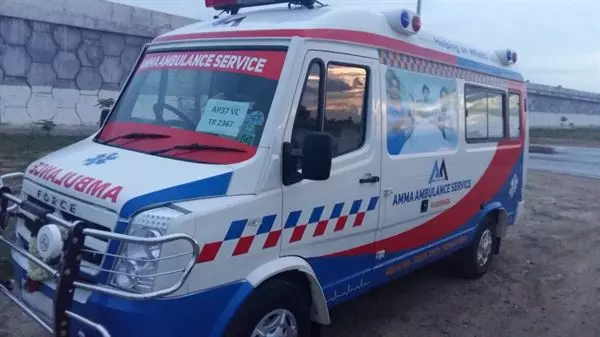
{"x":66,"y":273}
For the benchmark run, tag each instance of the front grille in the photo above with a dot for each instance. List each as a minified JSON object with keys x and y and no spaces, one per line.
{"x":91,"y":257}
{"x":70,"y":217}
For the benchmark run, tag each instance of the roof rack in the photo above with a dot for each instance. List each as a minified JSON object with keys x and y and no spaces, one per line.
{"x":234,"y":6}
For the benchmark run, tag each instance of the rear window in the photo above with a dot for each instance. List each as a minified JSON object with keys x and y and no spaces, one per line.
{"x":217,"y":99}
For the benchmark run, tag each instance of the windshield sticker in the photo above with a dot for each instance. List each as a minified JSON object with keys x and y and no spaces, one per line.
{"x":256,"y":118}
{"x":260,"y":63}
{"x":246,"y":139}
{"x":223,"y":117}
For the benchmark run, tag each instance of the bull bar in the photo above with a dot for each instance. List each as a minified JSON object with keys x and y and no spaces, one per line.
{"x":66,"y":276}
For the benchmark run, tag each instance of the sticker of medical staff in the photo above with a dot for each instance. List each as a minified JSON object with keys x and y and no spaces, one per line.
{"x":421,"y":113}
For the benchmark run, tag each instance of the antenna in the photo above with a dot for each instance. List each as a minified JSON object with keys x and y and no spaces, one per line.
{"x":419,"y":7}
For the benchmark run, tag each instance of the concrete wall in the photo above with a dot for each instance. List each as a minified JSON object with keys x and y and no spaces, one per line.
{"x":57,"y":57}
{"x":548,"y":106}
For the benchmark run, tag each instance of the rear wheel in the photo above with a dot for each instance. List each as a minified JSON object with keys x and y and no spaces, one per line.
{"x":277,"y":308}
{"x":474,"y":260}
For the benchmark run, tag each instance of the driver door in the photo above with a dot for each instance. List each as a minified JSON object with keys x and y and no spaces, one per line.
{"x":324,"y":220}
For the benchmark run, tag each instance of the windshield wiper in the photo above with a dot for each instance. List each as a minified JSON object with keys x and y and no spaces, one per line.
{"x":198,"y":147}
{"x":136,"y":135}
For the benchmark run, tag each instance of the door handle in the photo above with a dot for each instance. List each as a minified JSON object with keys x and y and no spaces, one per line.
{"x":369,"y":179}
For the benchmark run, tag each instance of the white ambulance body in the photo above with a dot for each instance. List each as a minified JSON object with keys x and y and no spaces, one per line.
{"x":275,"y":163}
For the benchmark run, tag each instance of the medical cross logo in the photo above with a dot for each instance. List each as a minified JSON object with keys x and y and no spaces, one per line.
{"x":439,"y":172}
{"x":100,"y":159}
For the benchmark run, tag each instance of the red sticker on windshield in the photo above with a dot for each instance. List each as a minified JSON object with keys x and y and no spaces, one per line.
{"x":259,"y":63}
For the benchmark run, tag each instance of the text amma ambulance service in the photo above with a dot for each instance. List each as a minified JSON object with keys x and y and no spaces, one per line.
{"x":261,"y":168}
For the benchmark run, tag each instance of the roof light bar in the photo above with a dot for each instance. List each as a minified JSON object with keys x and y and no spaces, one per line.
{"x":235,"y":5}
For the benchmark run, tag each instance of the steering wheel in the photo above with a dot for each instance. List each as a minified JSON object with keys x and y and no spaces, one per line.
{"x":177,"y":112}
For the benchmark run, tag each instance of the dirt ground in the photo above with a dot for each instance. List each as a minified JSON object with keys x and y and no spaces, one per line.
{"x":545,"y":282}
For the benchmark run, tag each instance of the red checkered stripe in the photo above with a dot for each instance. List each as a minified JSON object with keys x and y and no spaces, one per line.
{"x":270,"y":235}
{"x":420,"y":65}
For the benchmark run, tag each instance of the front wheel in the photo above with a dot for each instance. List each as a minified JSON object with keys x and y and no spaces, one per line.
{"x":474,"y":260}
{"x":276,"y":309}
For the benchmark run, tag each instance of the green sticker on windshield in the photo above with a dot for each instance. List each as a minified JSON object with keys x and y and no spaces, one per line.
{"x":246,"y":139}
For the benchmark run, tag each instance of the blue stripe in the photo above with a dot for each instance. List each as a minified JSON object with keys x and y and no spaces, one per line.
{"x":316,"y":214}
{"x":209,"y":187}
{"x":292,"y":219}
{"x":236,"y":229}
{"x":372,"y":203}
{"x":204,"y":188}
{"x":355,"y":207}
{"x":487,"y":69}
{"x":267,"y":224}
{"x":337,"y":210}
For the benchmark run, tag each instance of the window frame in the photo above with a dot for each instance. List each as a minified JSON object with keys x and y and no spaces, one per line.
{"x":365,"y":103}
{"x":322,"y":99}
{"x":505,"y":130}
{"x":521,"y":103}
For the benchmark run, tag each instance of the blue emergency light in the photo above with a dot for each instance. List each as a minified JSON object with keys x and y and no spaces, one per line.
{"x":405,"y":19}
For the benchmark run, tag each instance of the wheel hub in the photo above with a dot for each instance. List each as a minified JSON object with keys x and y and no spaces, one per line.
{"x":277,"y":323}
{"x":484,"y":248}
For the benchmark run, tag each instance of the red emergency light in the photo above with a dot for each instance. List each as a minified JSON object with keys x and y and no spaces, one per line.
{"x":237,"y":4}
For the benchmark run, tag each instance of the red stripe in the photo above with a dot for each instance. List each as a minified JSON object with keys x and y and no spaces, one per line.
{"x":444,"y":224}
{"x":353,"y":36}
{"x":321,"y":227}
{"x":209,"y":252}
{"x":243,"y":245}
{"x":298,"y":233}
{"x":341,"y":222}
{"x":177,"y":137}
{"x":267,"y":64}
{"x":272,"y":239}
{"x":359,"y":219}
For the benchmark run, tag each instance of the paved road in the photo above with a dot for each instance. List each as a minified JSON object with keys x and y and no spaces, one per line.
{"x":579,"y":161}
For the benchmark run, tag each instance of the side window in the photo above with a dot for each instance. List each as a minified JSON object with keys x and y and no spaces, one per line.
{"x":340,"y":109}
{"x":484,"y":110}
{"x":345,"y":107}
{"x":495,"y":112}
{"x":514,"y":109}
{"x":307,"y":115}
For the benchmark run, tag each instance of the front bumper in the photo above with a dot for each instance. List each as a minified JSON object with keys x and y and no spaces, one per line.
{"x":204,"y":313}
{"x":64,"y":308}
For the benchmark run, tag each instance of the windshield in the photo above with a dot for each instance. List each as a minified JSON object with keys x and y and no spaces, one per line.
{"x":219,"y":100}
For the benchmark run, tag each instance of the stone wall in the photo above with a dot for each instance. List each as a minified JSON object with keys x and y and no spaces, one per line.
{"x":58,"y":57}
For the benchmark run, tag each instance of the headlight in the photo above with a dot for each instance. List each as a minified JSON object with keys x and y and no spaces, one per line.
{"x":138,"y":263}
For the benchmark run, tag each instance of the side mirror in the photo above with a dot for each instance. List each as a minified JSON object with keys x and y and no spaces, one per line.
{"x":317,"y":156}
{"x":103,"y":115}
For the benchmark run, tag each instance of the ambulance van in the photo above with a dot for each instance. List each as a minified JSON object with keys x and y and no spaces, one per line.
{"x":261,"y":168}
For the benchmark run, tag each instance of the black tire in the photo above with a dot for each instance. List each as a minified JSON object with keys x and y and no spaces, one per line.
{"x":469,"y":265}
{"x":270,"y":296}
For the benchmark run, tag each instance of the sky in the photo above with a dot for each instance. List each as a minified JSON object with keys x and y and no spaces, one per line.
{"x":557,"y":41}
